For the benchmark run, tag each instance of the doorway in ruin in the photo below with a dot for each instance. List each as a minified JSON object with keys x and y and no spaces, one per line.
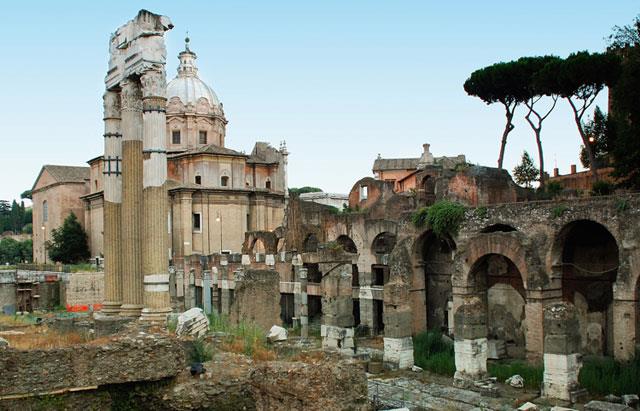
{"x":313,"y":273}
{"x":435,"y":265}
{"x":588,"y":257}
{"x":381,"y":247}
{"x":498,"y":282}
{"x":378,"y":317}
{"x":287,"y":303}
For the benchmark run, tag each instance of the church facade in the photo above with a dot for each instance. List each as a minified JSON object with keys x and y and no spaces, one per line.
{"x":215,"y":194}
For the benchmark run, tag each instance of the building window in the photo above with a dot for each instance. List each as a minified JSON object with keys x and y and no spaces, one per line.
{"x":45,"y":211}
{"x":224,"y":181}
{"x":198,"y":180}
{"x":175,"y":137}
{"x":202,"y":137}
{"x":268,"y":185}
{"x":197,"y":222}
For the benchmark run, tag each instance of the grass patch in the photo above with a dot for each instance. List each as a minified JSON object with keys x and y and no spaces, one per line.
{"x":603,"y":375}
{"x":45,"y":339}
{"x":502,"y":370}
{"x":243,"y":338}
{"x":433,"y":354}
{"x":558,"y":211}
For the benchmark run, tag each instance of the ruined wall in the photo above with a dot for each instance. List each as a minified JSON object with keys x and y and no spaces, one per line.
{"x":80,"y":290}
{"x":140,"y":358}
{"x":328,"y":385}
{"x":256,"y":298}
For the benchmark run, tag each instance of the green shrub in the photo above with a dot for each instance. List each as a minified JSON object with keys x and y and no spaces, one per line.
{"x":433,"y":354}
{"x":480,"y":212}
{"x":444,"y":217}
{"x":532,"y":374}
{"x":558,"y":211}
{"x":601,"y":188}
{"x":201,"y":351}
{"x":603,"y":375}
{"x":621,"y":205}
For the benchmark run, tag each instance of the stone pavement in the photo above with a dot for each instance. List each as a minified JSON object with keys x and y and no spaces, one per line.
{"x":413,"y":394}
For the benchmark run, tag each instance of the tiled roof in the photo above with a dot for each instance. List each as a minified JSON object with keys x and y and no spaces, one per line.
{"x":208,"y":149}
{"x":382,"y":164}
{"x":68,"y":174}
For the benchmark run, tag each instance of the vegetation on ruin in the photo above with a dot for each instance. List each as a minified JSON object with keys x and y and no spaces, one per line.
{"x":480,"y":212}
{"x":602,"y":188}
{"x":443,"y":217}
{"x":68,"y":243}
{"x":621,"y":204}
{"x":532,"y":374}
{"x":432,"y":353}
{"x":201,"y":351}
{"x":603,"y":375}
{"x":558,"y":211}
{"x":242,"y":338}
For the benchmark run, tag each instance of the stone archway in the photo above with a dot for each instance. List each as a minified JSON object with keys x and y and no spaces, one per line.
{"x":431,"y":285}
{"x":586,"y":255}
{"x":496,"y":281}
{"x":347,"y":244}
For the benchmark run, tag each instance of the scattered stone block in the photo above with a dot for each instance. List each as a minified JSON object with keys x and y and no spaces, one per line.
{"x":605,"y":406}
{"x":528,"y":406}
{"x":415,"y":368}
{"x":277,"y":333}
{"x":630,"y":400}
{"x":399,"y":352}
{"x":613,"y":398}
{"x":559,"y":408}
{"x":515,"y":381}
{"x":192,"y":322}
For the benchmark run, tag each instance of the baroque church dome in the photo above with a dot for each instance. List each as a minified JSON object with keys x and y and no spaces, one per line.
{"x":187,"y":86}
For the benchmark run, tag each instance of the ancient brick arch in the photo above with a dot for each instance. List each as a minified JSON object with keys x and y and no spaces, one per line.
{"x":268,"y":239}
{"x":507,"y":244}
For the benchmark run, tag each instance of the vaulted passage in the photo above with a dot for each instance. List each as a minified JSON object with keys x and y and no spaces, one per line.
{"x":498,"y":283}
{"x":589,"y":263}
{"x":436,"y":261}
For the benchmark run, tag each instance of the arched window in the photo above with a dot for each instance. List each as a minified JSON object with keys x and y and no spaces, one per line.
{"x":198,"y":180}
{"x":268,"y":184}
{"x":224,"y":181}
{"x":45,"y":211}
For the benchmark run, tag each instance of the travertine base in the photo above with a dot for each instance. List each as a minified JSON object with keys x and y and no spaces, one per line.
{"x":131,"y":227}
{"x":112,"y":263}
{"x":471,"y":359}
{"x":398,"y":352}
{"x":337,"y":338}
{"x":560,"y":377}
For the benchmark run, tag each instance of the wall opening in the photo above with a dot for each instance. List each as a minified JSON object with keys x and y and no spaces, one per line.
{"x":313,"y":272}
{"x":355,"y":276}
{"x":498,"y":228}
{"x":356,"y":312}
{"x":378,"y":317}
{"x":310,"y":244}
{"x":383,"y":243}
{"x":286,"y":309}
{"x":347,"y":244}
{"x":435,"y":260}
{"x":589,"y":260}
{"x":380,"y":274}
{"x":498,"y":283}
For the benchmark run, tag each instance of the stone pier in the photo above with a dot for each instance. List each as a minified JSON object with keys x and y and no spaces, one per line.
{"x":398,"y":344}
{"x":470,"y":342}
{"x":562,"y":361}
{"x":337,"y":309}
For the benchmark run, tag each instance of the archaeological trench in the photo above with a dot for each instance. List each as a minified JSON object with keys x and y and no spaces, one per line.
{"x":543,"y":281}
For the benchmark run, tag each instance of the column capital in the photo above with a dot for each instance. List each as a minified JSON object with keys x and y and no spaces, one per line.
{"x":131,"y":95}
{"x":111,"y":104}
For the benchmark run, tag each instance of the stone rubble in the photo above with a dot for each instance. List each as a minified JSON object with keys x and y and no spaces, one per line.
{"x":192,"y":322}
{"x":605,"y":406}
{"x":528,"y":406}
{"x":515,"y":381}
{"x":277,"y":333}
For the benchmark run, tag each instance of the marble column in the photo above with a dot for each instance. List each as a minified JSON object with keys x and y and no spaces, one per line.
{"x":131,"y":214}
{"x":112,"y":181}
{"x":155,"y":246}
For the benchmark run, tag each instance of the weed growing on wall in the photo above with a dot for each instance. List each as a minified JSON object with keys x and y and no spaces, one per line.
{"x":444,"y":217}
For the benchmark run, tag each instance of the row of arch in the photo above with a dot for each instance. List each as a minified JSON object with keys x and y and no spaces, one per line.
{"x":382,"y":244}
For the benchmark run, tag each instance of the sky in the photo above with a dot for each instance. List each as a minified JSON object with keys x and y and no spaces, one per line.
{"x":339,"y":81}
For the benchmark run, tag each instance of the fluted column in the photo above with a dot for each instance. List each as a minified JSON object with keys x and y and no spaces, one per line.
{"x":131,"y":214}
{"x":112,"y":180}
{"x":155,"y":246}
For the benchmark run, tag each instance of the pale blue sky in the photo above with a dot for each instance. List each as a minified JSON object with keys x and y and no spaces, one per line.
{"x":340,"y":81}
